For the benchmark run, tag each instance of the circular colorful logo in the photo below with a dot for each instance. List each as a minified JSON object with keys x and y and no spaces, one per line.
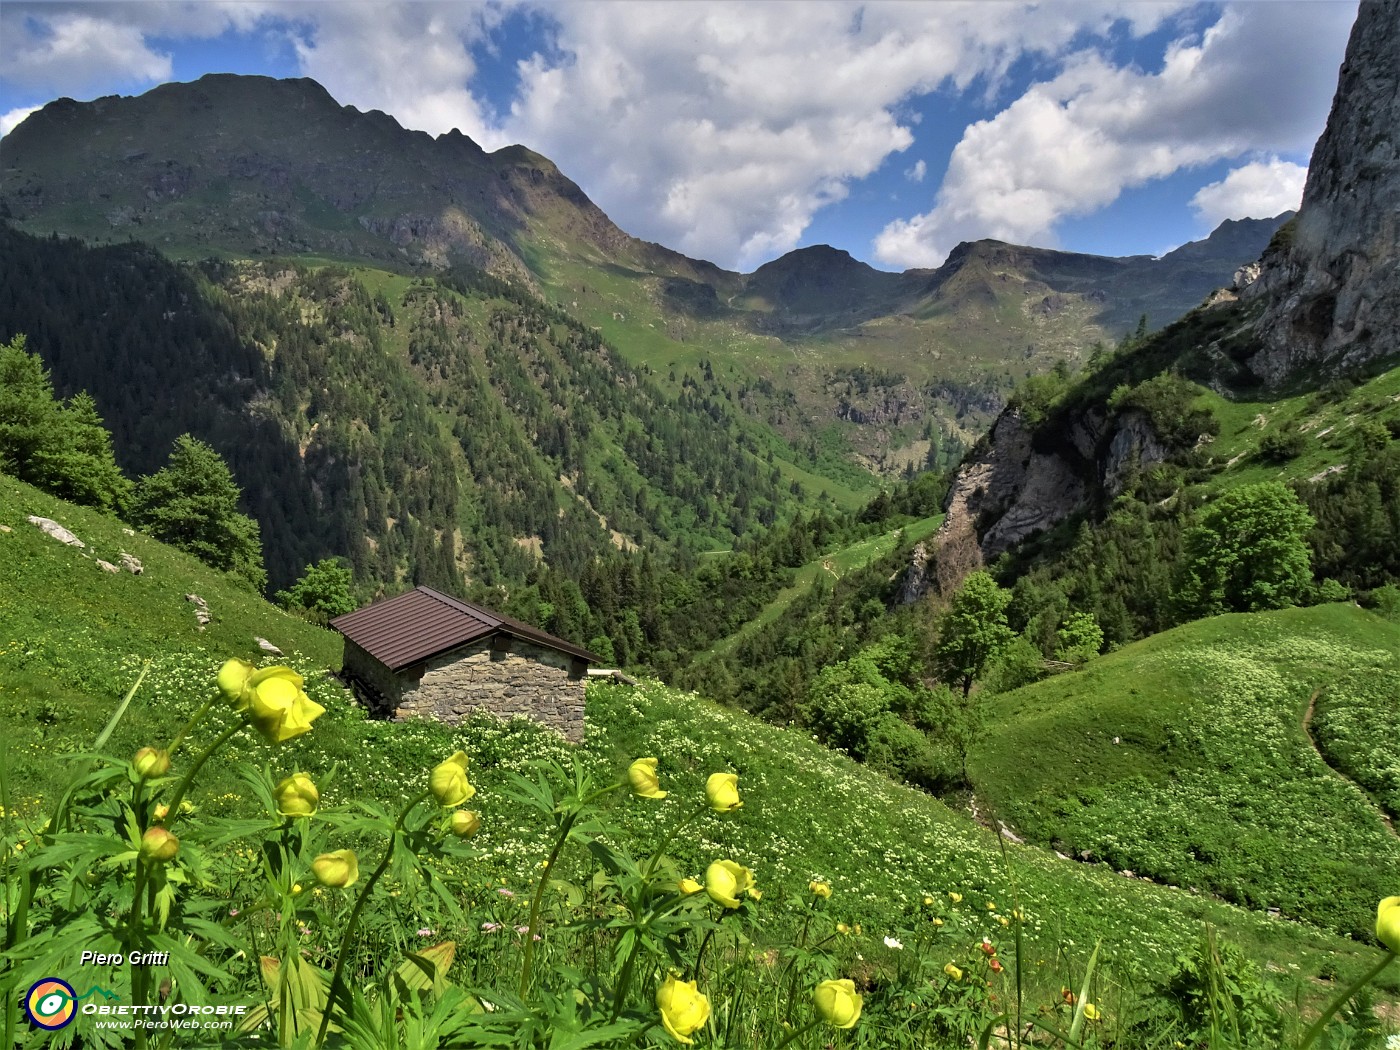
{"x":51,"y":1003}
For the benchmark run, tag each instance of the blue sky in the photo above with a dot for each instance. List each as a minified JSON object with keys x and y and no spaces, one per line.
{"x":738,"y":131}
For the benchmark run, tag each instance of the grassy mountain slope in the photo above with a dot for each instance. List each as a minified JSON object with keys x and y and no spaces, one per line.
{"x":73,"y":638}
{"x":1183,"y":757}
{"x":832,"y":565}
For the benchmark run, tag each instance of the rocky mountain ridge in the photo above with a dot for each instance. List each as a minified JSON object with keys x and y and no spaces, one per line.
{"x":255,"y":166}
{"x":249,"y":167}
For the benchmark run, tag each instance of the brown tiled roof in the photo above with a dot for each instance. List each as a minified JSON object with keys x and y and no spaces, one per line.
{"x":422,"y":623}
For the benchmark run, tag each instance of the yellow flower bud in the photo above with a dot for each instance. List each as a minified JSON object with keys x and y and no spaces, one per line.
{"x":339,"y":870}
{"x":233,"y":682}
{"x":928,"y":901}
{"x":838,"y":1003}
{"x":937,"y":921}
{"x":296,"y":796}
{"x":726,"y":881}
{"x":279,"y":708}
{"x":162,"y":811}
{"x":158,"y":845}
{"x":820,"y":889}
{"x":151,"y":762}
{"x":689,"y":886}
{"x":641,"y":774}
{"x":465,"y":823}
{"x":448,"y":781}
{"x":956,"y":898}
{"x":953,"y":972}
{"x":1388,"y":924}
{"x":1091,"y":1012}
{"x":684,"y":1010}
{"x":722,"y":791}
{"x":843,"y":929}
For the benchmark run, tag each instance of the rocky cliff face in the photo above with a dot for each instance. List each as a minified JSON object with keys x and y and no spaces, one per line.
{"x":1332,"y":289}
{"x":1328,"y":292}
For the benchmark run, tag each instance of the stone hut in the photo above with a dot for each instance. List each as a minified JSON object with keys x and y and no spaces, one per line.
{"x":423,"y":654}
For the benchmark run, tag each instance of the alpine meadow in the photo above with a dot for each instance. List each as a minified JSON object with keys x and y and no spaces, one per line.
{"x":434,"y":618}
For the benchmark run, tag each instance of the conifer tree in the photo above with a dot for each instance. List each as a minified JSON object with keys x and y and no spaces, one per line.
{"x":192,"y":503}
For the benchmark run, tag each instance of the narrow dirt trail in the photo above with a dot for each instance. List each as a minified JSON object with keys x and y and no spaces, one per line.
{"x":1307,"y":733}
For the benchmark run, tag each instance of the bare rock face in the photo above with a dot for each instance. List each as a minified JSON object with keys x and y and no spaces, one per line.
{"x":1134,"y":443}
{"x":132,"y":564}
{"x":52,"y":528}
{"x":1331,"y":288}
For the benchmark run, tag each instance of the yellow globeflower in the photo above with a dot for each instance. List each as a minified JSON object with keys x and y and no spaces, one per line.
{"x":684,"y":1010}
{"x":1091,"y":1012}
{"x":340,"y":869}
{"x":937,"y":921}
{"x":296,"y":796}
{"x":448,"y":781}
{"x":838,"y":1003}
{"x":277,"y":705}
{"x":956,"y":898}
{"x":726,"y":881}
{"x":465,"y":823}
{"x":642,"y":776}
{"x":151,"y":762}
{"x":158,"y":845}
{"x":953,"y":972}
{"x":1388,"y":924}
{"x":928,"y":901}
{"x":689,"y":886}
{"x":722,"y":790}
{"x":843,"y":929}
{"x":820,"y":889}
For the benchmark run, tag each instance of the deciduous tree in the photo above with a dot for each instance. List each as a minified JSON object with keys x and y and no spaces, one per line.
{"x":1249,"y":552}
{"x":972,"y":631}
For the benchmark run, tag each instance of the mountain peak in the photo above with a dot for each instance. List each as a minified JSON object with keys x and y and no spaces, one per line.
{"x":1331,"y":280}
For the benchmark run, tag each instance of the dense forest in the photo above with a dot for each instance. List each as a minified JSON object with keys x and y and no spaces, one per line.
{"x":452,"y":430}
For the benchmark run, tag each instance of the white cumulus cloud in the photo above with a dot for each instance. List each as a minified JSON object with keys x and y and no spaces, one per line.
{"x":412,"y":60}
{"x":11,"y":120}
{"x":1260,"y":189}
{"x":721,"y":129}
{"x":73,"y":52}
{"x":78,"y":48}
{"x":1072,"y":144}
{"x":917,"y":172}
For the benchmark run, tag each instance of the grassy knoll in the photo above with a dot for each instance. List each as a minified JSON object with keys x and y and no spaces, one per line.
{"x":1183,"y":757}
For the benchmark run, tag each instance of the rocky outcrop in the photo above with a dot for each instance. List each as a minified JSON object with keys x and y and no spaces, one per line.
{"x":1009,"y":490}
{"x":1331,"y":282}
{"x":1134,"y":445}
{"x":52,"y":528}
